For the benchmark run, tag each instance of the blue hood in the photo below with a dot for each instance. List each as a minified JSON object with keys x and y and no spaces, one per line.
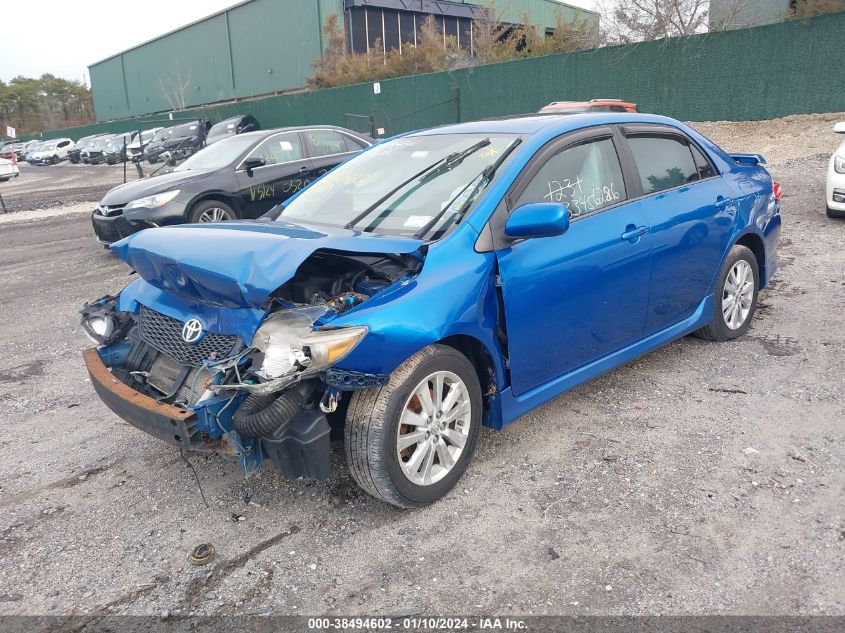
{"x":239,"y":264}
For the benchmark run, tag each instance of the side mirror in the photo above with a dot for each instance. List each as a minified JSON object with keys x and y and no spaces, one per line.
{"x":839,"y":128}
{"x":537,"y":219}
{"x":253,"y":163}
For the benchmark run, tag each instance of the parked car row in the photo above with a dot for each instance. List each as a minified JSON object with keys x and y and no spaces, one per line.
{"x":174,"y":143}
{"x":428,"y":285}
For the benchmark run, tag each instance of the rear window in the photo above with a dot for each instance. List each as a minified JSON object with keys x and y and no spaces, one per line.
{"x":663,"y":162}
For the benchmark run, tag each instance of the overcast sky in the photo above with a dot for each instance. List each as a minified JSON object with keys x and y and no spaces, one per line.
{"x":64,"y":37}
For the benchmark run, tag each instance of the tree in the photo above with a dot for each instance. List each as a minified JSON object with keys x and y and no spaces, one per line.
{"x":50,"y":102}
{"x":493,"y":41}
{"x":175,"y":87}
{"x":802,"y":9}
{"x":627,"y":21}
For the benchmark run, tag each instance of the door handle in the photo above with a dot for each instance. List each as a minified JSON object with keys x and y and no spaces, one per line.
{"x":302,"y":170}
{"x":633,"y":232}
{"x":721,"y":203}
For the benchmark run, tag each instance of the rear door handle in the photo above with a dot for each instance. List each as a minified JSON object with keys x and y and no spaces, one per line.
{"x":634,"y":232}
{"x":302,"y":170}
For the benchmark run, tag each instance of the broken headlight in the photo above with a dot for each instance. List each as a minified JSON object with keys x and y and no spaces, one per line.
{"x":99,"y":321}
{"x":289,"y":343}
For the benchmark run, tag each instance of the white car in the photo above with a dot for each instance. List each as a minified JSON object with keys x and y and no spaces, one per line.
{"x":836,"y":178}
{"x":51,"y":152}
{"x":8,"y":170}
{"x":134,"y":149}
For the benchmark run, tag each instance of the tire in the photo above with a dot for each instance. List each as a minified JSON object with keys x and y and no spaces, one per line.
{"x":734,"y":325}
{"x":207,"y":210}
{"x":56,"y":160}
{"x":835,"y":214}
{"x":373,"y":428}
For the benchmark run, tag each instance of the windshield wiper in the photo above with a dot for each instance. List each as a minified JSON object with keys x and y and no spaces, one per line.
{"x":483,"y":180}
{"x":451,"y":160}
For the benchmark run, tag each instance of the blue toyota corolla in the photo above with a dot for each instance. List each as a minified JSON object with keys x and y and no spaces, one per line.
{"x":436,"y":282}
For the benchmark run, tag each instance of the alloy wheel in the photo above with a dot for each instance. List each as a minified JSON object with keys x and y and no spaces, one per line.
{"x":433,"y":428}
{"x":738,"y":294}
{"x":214,"y":214}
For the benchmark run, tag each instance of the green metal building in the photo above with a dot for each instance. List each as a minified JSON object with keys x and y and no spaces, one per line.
{"x":261,"y":47}
{"x":739,"y":14}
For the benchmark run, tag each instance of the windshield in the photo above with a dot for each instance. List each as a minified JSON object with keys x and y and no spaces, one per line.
{"x":223,"y":128}
{"x":184,"y":131}
{"x":163,"y":134}
{"x":218,"y":155}
{"x":413,"y":185}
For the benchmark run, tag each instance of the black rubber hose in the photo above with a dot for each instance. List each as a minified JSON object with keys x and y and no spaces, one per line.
{"x":262,"y":415}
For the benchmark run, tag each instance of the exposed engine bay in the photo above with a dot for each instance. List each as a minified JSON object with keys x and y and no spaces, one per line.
{"x":273,"y":392}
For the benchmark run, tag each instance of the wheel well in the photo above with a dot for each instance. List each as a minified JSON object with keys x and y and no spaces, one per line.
{"x":755,"y":244}
{"x":478,"y":355}
{"x":219,"y":197}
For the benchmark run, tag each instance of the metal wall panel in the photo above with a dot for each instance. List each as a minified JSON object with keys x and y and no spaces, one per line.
{"x":254,"y":48}
{"x":110,"y":99}
{"x":685,"y":78}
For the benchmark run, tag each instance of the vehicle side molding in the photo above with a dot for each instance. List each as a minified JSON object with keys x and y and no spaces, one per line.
{"x":537,"y":219}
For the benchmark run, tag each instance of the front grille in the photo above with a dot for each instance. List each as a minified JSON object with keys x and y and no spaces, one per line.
{"x":164,"y":333}
{"x":110,"y":229}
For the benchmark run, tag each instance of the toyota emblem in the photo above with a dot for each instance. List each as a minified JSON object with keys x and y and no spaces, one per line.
{"x":192,"y":331}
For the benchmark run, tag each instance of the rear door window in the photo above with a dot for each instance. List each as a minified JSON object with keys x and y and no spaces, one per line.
{"x":325,"y":142}
{"x":664,"y":162}
{"x":586,"y":178}
{"x":705,"y":169}
{"x":353,"y":144}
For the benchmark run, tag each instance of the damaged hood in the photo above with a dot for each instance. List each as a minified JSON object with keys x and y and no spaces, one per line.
{"x":239,"y":264}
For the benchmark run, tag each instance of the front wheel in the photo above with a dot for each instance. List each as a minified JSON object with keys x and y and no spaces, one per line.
{"x":736,"y":296}
{"x":212,"y":211}
{"x":410,"y":441}
{"x":56,"y":160}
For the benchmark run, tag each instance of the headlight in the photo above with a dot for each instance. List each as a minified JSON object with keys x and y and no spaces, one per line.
{"x":839,"y":164}
{"x":287,"y":340}
{"x":331,"y":346}
{"x":152,"y":202}
{"x":98,"y":328}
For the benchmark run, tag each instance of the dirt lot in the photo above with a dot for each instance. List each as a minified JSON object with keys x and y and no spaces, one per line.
{"x":703,"y":478}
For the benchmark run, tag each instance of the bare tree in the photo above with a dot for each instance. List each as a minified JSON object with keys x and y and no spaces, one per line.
{"x":628,"y":21}
{"x":175,"y":87}
{"x":733,"y":14}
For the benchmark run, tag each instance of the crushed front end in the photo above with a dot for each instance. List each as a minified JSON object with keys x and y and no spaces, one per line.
{"x":249,"y":383}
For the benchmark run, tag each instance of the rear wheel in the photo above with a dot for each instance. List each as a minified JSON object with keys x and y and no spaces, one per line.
{"x":736,"y":296}
{"x":410,"y":441}
{"x":212,"y":211}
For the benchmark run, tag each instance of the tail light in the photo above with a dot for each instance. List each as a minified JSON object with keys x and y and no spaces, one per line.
{"x":777,"y":191}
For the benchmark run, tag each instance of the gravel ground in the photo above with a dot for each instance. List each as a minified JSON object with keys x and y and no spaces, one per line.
{"x":700,"y":479}
{"x":56,"y":186}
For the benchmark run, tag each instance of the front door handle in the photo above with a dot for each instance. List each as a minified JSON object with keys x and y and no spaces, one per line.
{"x":721,"y":203}
{"x":302,"y":170}
{"x":633,"y":233}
